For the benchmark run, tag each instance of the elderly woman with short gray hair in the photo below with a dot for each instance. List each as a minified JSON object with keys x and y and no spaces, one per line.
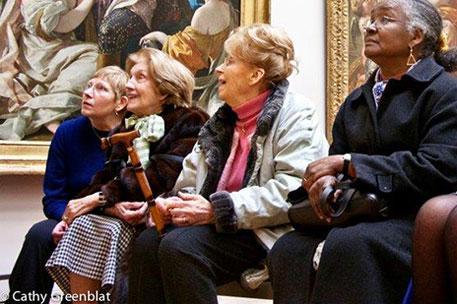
{"x":395,"y":136}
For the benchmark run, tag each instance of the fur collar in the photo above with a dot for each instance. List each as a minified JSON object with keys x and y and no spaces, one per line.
{"x":215,"y":137}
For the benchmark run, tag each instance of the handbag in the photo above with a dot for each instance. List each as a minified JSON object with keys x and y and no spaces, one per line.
{"x":351,"y":207}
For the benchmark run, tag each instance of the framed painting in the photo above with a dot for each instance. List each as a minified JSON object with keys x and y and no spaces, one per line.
{"x":28,"y":156}
{"x":347,"y":67}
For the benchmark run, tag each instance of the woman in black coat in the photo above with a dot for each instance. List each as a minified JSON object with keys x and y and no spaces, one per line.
{"x":395,"y":136}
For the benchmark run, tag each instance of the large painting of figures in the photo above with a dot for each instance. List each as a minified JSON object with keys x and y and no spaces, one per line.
{"x":50,"y":49}
{"x":347,"y":67}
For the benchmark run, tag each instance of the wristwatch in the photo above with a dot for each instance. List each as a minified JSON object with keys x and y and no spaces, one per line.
{"x":346,"y":163}
{"x":101,"y":202}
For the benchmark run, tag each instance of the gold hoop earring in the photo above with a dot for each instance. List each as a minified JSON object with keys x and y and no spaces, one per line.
{"x":411,"y":59}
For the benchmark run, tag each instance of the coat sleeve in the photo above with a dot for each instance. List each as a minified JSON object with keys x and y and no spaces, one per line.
{"x":181,"y":140}
{"x":297,"y":141}
{"x":426,"y":172}
{"x":339,"y":144}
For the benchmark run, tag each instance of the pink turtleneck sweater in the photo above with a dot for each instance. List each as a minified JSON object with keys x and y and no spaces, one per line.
{"x":235,"y":167}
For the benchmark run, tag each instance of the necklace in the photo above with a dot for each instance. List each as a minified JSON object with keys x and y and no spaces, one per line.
{"x":99,"y":134}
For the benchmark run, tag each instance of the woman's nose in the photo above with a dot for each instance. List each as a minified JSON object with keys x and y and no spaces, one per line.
{"x":89,"y":91}
{"x":371,"y":27}
{"x":130,"y":85}
{"x":219,"y":68}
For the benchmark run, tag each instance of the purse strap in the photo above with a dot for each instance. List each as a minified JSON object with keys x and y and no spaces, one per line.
{"x":335,"y":209}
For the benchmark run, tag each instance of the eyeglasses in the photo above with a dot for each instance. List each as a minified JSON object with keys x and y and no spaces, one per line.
{"x":379,"y":23}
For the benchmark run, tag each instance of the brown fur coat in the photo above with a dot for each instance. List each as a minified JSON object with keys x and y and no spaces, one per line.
{"x":117,"y":180}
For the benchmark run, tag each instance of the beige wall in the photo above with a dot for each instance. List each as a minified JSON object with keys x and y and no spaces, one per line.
{"x":20,"y":207}
{"x":304,"y":21}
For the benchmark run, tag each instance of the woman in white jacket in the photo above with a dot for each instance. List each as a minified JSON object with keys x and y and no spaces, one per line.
{"x":230,"y":200}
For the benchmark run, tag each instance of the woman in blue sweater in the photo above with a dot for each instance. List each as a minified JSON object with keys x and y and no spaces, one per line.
{"x":74,"y":157}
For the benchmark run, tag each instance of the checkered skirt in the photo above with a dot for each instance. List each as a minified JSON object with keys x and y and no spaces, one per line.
{"x":92,"y":247}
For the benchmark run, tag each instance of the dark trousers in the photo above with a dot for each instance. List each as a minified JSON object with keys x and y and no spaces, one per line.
{"x":188,"y":264}
{"x":29,"y":274}
{"x":365,"y":263}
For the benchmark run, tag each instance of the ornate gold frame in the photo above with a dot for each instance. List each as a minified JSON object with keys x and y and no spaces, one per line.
{"x":29,"y":157}
{"x":337,"y":58}
{"x":254,"y":11}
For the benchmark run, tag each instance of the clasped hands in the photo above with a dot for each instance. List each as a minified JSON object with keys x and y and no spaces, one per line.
{"x":182,"y":210}
{"x":185,"y":209}
{"x":319,"y":175}
{"x":131,"y":212}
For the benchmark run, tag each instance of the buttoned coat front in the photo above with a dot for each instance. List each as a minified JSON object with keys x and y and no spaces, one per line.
{"x":407,"y":148}
{"x":406,"y":151}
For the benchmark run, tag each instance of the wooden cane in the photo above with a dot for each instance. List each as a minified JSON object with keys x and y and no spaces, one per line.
{"x":126,"y":138}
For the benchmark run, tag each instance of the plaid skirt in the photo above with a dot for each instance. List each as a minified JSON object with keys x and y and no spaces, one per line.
{"x":92,"y":247}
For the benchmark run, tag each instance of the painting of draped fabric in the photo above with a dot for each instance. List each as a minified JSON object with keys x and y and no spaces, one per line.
{"x":347,"y":67}
{"x":199,"y":46}
{"x":43,"y":69}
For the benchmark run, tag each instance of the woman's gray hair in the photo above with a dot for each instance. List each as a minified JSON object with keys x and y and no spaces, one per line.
{"x":423,"y":15}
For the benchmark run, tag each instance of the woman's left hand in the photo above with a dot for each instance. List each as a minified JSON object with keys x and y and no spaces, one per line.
{"x":78,"y":207}
{"x":330,"y":165}
{"x":192,"y":209}
{"x":133,"y":213}
{"x":314,"y":195}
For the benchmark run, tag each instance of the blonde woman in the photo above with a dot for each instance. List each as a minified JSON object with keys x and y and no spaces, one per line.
{"x":159,"y":92}
{"x":230,"y":203}
{"x":74,"y":157}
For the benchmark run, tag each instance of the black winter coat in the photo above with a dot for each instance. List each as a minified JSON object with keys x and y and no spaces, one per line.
{"x":407,"y":149}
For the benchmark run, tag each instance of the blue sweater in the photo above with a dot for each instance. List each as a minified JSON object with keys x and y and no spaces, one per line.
{"x":74,"y":157}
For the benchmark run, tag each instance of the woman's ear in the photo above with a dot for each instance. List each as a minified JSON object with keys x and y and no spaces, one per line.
{"x":417,"y":38}
{"x":256,"y":76}
{"x":121,"y":104}
{"x":163,"y":98}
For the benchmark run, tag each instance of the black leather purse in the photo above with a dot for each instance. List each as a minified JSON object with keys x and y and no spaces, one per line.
{"x":352,"y":207}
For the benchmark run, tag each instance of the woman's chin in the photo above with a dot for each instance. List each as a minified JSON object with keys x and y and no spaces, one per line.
{"x":221,"y":95}
{"x":130,"y":108}
{"x":371,"y":53}
{"x":85,"y":112}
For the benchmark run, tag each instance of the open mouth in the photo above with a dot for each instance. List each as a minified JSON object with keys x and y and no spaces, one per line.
{"x":87,"y":104}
